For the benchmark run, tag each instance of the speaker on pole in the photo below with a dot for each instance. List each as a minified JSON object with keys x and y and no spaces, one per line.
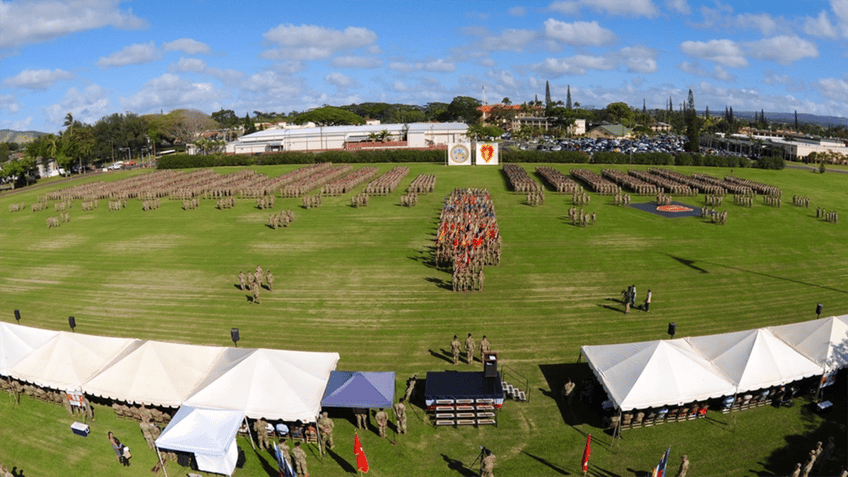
{"x":819,"y":308}
{"x":234,"y":334}
{"x":672,"y":328}
{"x":73,"y":322}
{"x":18,"y":316}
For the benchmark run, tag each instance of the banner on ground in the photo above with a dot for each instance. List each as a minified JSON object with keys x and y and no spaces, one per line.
{"x":487,"y":154}
{"x":459,"y":154}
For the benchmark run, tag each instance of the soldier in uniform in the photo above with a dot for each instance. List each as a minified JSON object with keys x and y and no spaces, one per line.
{"x":269,"y":277}
{"x":455,"y":349}
{"x":400,"y":416}
{"x":684,"y":466}
{"x":243,"y":281}
{"x":470,"y":344}
{"x":487,"y":466}
{"x":568,"y":391}
{"x":382,"y":421}
{"x":361,"y":418}
{"x":484,"y":347}
{"x":325,"y":424}
{"x":410,"y":387}
{"x":299,"y":460}
{"x":255,"y":288}
{"x":261,"y":429}
{"x":145,"y":431}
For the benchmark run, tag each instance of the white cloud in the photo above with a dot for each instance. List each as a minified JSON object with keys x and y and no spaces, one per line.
{"x":634,"y":59}
{"x":680,"y":6}
{"x":782,"y":49}
{"x":86,"y":105}
{"x":761,"y":21}
{"x":340,"y":81}
{"x":37,"y":22}
{"x":187,"y":46}
{"x":820,"y":26}
{"x":638,"y":59}
{"x":19,"y":125}
{"x":37,"y":80}
{"x":438,"y":65}
{"x":169,"y":91}
{"x":785,"y":81}
{"x":578,"y":33}
{"x":508,"y":40}
{"x":312,"y":42}
{"x":840,"y":9}
{"x":613,"y":7}
{"x":399,"y":86}
{"x":504,"y":79}
{"x":351,"y":61}
{"x":718,"y":72}
{"x":135,"y":54}
{"x":8,"y":102}
{"x":834,"y":88}
{"x":196,"y":65}
{"x":517,"y":11}
{"x":725,"y":52}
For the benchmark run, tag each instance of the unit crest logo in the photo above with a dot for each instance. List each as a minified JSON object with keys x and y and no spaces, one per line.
{"x":487,"y":151}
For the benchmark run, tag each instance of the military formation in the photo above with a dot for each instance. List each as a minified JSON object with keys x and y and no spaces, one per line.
{"x":409,"y":200}
{"x":17,"y":207}
{"x":252,"y":281}
{"x":423,"y":184}
{"x":622,"y":200}
{"x":347,"y":183}
{"x":772,"y":200}
{"x":311,"y":201}
{"x":388,"y":182}
{"x":595,"y":182}
{"x":117,"y":204}
{"x":635,"y":184}
{"x":58,"y":220}
{"x":580,"y":218}
{"x":713,"y":200}
{"x":519,"y":180}
{"x":828,"y":216}
{"x":801,"y":201}
{"x":816,"y":459}
{"x":663,"y":199}
{"x":283,"y":219}
{"x":359,"y":200}
{"x":743,"y":200}
{"x":225,"y":203}
{"x":557,"y":180}
{"x":536,"y":198}
{"x":266,"y":202}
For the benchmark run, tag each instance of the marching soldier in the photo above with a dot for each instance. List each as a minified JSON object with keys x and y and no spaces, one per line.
{"x":269,"y":277}
{"x":242,"y":281}
{"x":255,"y":289}
{"x":484,"y":347}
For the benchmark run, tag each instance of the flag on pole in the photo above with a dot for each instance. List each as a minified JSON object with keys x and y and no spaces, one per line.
{"x":660,"y":470}
{"x":284,"y":466}
{"x":586,"y":453}
{"x":361,"y":460}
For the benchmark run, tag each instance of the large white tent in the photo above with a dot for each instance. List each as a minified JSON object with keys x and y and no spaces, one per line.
{"x":208,"y":433}
{"x":69,"y":360}
{"x":157,"y":373}
{"x":17,"y":342}
{"x":655,"y":373}
{"x":754,"y":359}
{"x":274,"y":384}
{"x":824,"y":341}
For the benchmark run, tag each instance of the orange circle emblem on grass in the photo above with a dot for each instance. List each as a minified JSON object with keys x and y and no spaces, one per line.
{"x":673,"y":208}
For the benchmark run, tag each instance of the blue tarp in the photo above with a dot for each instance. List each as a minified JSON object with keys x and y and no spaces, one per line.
{"x":360,"y":389}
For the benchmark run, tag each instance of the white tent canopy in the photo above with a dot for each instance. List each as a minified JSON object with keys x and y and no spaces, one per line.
{"x":69,"y":360}
{"x":208,"y":433}
{"x":17,"y":342}
{"x":824,"y":341}
{"x":274,"y":384}
{"x":655,"y":373}
{"x":156,"y":373}
{"x":754,"y":359}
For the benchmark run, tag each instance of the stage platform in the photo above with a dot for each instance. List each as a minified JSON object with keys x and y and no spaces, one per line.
{"x":458,"y":387}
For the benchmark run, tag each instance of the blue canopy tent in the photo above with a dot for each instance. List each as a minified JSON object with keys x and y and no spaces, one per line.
{"x":360,"y":389}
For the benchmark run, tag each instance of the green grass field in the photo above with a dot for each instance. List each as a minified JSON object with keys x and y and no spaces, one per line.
{"x":360,"y":282}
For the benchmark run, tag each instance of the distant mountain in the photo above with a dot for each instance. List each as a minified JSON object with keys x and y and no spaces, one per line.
{"x":789,"y":118}
{"x":20,"y":137}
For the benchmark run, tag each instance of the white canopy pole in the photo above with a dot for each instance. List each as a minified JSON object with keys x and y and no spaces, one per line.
{"x":160,"y":461}
{"x":249,"y":435}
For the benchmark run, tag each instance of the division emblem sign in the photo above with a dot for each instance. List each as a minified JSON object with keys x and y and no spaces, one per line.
{"x":459,"y":155}
{"x":487,"y":153}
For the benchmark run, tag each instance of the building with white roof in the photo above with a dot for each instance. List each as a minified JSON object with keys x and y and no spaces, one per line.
{"x":350,"y":138}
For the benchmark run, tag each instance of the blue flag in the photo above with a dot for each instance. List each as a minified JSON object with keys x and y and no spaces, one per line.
{"x":660,"y":471}
{"x":284,"y":466}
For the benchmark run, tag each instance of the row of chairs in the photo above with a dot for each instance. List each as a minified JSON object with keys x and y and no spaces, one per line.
{"x":661,"y":416}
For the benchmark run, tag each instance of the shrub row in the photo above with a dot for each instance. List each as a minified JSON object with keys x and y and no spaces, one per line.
{"x":184,"y":161}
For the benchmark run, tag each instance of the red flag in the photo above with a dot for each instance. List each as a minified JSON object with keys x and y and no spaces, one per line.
{"x":361,"y":460}
{"x":587,"y":453}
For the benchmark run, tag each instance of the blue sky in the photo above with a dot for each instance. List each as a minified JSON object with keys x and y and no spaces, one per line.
{"x":92,"y":58}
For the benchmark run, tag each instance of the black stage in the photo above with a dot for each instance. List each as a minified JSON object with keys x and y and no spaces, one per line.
{"x":458,"y":385}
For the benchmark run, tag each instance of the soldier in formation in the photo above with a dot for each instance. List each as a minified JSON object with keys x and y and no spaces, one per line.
{"x":713,"y":200}
{"x":470,"y":345}
{"x":580,"y":197}
{"x":831,"y":216}
{"x":382,"y":422}
{"x":269,"y":279}
{"x":242,"y":281}
{"x":484,"y":347}
{"x":663,"y":199}
{"x":718,"y":217}
{"x":536,"y":198}
{"x":772,"y":200}
{"x":801,"y":201}
{"x":409,"y":200}
{"x":311,"y":201}
{"x":266,"y":202}
{"x":400,"y":416}
{"x":190,"y":204}
{"x":743,"y":200}
{"x":622,"y":199}
{"x":225,"y":203}
{"x":455,"y":347}
{"x":361,"y":418}
{"x":359,"y":200}
{"x":254,"y":288}
{"x":326,"y":425}
{"x":423,"y":184}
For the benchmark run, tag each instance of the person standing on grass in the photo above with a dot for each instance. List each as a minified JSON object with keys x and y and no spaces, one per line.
{"x":648,"y":301}
{"x":684,"y":466}
{"x":470,"y":344}
{"x":116,"y":446}
{"x":455,"y":349}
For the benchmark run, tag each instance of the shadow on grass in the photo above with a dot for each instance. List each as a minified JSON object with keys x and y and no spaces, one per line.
{"x":688,"y":263}
{"x":556,"y":376}
{"x":443,"y":355}
{"x":612,"y":308}
{"x":345,"y":465}
{"x":640,"y":473}
{"x":443,"y":284}
{"x":268,"y":468}
{"x":595,"y":470}
{"x":459,"y":467}
{"x":548,"y":463}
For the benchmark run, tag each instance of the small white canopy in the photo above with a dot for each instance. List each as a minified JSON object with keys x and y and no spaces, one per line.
{"x":16,"y":342}
{"x":157,"y":373}
{"x":754,"y":359}
{"x":274,"y":384}
{"x":655,"y":373}
{"x":208,"y":433}
{"x":69,"y":360}
{"x":825,"y":341}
